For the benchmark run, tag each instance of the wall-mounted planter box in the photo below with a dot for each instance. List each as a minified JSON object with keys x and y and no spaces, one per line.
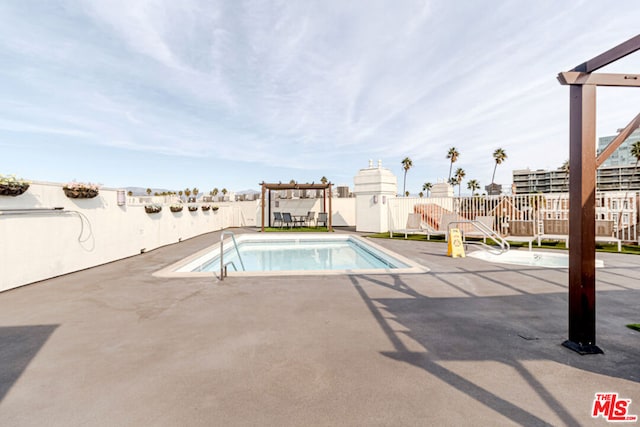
{"x":13,"y":190}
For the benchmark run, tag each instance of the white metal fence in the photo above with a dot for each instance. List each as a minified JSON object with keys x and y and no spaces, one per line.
{"x":538,"y":214}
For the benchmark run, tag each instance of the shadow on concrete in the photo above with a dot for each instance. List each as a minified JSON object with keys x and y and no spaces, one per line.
{"x":18,"y":346}
{"x":506,"y":329}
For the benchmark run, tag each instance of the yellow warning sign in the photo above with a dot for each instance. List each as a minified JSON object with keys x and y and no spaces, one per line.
{"x":455,"y":248}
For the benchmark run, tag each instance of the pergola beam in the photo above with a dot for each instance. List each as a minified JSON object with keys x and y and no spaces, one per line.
{"x":612,"y":55}
{"x":295,"y":186}
{"x":599,"y":79}
{"x":617,"y":141}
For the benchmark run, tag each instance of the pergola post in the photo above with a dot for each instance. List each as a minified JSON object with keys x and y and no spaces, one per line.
{"x":583,"y":164}
{"x":263,"y":193}
{"x":330,"y":208}
{"x":582,"y":220}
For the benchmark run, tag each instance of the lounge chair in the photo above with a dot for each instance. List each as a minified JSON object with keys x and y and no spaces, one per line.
{"x":322,"y":218}
{"x":559,"y":230}
{"x":414,"y":226}
{"x":287,"y":220}
{"x":277,"y":217}
{"x":522,"y":231}
{"x":554,"y":229}
{"x":604,"y":233}
{"x":311,"y":217}
{"x":471,"y":231}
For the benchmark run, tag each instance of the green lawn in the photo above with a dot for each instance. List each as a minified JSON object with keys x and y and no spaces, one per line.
{"x":634,"y":326}
{"x":546,"y":244}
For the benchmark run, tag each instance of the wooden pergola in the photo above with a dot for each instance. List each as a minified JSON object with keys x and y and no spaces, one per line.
{"x":295,"y":186}
{"x":583,"y":164}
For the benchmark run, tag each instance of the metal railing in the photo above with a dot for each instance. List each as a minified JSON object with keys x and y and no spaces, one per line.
{"x":223,"y":266}
{"x":620,"y":207}
{"x":485,"y":231}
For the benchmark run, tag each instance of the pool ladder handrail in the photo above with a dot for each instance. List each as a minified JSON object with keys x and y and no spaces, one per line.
{"x":486,"y":231}
{"x":223,"y":266}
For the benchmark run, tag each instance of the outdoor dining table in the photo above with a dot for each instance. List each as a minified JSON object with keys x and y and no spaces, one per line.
{"x":299,"y":219}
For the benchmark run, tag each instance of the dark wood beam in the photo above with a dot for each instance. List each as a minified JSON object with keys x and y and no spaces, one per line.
{"x":264,"y":188}
{"x":582,"y":221}
{"x":330,"y":208}
{"x":612,"y":55}
{"x":613,"y":145}
{"x":599,"y":79}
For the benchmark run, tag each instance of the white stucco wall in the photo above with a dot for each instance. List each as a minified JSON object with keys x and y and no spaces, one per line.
{"x":89,"y":232}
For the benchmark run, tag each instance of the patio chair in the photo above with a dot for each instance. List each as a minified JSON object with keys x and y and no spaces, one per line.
{"x":311,"y":217}
{"x":322,"y":218}
{"x":277,"y":217}
{"x":522,"y":231}
{"x":414,"y":226}
{"x":287,"y":220}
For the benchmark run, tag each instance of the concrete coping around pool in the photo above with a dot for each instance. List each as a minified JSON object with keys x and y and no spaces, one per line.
{"x":172,"y":270}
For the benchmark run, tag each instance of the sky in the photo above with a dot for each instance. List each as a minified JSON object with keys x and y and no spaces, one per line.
{"x":230,"y":93}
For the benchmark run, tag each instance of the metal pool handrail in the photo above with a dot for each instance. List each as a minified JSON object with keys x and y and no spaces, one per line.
{"x":235,"y":244}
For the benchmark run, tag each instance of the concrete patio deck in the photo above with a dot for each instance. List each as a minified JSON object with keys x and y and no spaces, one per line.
{"x":469,"y":343}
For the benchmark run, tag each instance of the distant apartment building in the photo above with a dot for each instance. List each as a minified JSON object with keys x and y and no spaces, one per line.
{"x":617,"y":173}
{"x":609,"y":178}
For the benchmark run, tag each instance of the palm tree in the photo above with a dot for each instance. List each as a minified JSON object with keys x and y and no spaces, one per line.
{"x":460,"y":174}
{"x":180,"y":194}
{"x":473,"y":185}
{"x":324,"y":180}
{"x":195,"y":192}
{"x":421,"y":194}
{"x":187,"y":192}
{"x":406,"y":165}
{"x":427,"y":186}
{"x":453,"y":155}
{"x":214,"y":192}
{"x":129,"y":193}
{"x":224,"y":191}
{"x":635,"y":152}
{"x":148,"y":191}
{"x":499,"y":156}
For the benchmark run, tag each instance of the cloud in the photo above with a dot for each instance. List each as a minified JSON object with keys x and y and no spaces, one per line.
{"x":308,"y":86}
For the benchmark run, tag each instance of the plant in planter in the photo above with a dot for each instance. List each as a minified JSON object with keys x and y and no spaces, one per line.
{"x":215,"y":208}
{"x":193,"y":208}
{"x":152,"y":208}
{"x":12,"y":186}
{"x":176,"y":207}
{"x":81,"y":190}
{"x":206,"y":207}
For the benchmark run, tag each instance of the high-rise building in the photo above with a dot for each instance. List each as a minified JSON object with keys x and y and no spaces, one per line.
{"x":622,"y":156}
{"x":611,"y":178}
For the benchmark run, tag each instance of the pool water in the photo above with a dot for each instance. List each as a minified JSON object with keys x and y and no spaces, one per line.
{"x":298,"y":253}
{"x":302,"y":255}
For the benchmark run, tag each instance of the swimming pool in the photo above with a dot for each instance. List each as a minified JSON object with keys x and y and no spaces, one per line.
{"x":535,"y":259}
{"x":296,"y":253}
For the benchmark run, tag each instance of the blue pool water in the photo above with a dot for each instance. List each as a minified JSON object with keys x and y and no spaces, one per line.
{"x":299,"y":254}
